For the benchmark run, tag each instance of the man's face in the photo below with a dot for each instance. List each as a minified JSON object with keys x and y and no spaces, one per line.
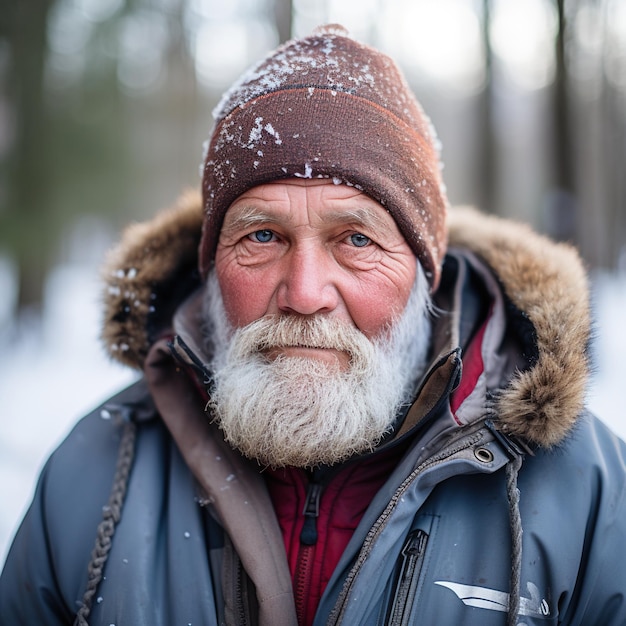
{"x":306,"y":247}
{"x":318,"y":320}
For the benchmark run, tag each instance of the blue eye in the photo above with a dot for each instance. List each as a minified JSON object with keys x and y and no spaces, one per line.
{"x":262,"y":236}
{"x":359,"y":240}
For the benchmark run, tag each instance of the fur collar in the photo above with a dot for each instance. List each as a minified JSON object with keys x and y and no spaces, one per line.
{"x":152,"y":269}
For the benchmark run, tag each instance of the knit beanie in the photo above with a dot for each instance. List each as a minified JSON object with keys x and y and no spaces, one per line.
{"x":327,"y":106}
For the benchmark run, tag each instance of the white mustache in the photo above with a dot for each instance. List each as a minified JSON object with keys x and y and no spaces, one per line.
{"x":287,"y":331}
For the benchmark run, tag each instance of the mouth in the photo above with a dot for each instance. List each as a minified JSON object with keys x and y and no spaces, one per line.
{"x":332,"y":356}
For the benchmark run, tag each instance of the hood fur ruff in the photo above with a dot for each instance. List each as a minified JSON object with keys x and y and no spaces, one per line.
{"x":543,"y":279}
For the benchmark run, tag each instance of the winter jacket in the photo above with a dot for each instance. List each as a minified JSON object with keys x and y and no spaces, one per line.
{"x":505,"y":502}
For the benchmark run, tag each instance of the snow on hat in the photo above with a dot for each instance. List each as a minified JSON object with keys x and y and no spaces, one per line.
{"x":327,"y":106}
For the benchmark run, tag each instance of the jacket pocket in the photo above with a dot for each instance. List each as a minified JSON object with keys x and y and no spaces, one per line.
{"x":404,"y":588}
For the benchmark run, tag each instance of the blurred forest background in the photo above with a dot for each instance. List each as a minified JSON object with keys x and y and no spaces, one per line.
{"x":104,"y":105}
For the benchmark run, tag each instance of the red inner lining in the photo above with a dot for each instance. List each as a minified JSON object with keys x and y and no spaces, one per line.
{"x":473,"y":367}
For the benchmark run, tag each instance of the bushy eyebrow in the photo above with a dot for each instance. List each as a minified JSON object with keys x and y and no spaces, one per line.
{"x":363,"y":216}
{"x":250,"y":216}
{"x":247,"y":217}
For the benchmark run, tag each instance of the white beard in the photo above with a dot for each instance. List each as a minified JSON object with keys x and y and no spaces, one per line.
{"x":302,"y":411}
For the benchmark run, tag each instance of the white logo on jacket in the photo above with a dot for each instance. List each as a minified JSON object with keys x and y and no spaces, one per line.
{"x":493,"y":600}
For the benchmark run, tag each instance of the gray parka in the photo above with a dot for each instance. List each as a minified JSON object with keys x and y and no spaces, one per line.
{"x":507,"y":506}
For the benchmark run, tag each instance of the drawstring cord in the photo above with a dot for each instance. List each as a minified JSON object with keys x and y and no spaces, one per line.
{"x":110,"y":517}
{"x":515,"y":520}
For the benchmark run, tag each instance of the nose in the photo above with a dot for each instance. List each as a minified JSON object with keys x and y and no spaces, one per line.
{"x":307,"y":285}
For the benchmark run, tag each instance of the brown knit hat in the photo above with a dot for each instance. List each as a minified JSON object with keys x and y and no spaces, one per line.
{"x":327,"y":106}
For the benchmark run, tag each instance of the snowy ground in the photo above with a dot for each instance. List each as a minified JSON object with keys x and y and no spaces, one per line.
{"x":55,"y":372}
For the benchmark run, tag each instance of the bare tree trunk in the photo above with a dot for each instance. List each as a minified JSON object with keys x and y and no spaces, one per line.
{"x":562,"y":209}
{"x":26,"y":195}
{"x":282,"y":16}
{"x":613,"y":138}
{"x":487,"y":173}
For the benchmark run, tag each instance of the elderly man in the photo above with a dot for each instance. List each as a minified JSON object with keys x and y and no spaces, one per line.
{"x":362,"y":409}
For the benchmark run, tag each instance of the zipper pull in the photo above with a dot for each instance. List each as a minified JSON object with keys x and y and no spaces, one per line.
{"x":311,"y":511}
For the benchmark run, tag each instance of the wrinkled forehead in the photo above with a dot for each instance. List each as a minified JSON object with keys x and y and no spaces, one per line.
{"x":323,"y":200}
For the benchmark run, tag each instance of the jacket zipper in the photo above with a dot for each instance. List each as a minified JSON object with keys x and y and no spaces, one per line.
{"x":239,"y":608}
{"x":408,"y":577}
{"x":239,"y":613}
{"x":306,"y":552}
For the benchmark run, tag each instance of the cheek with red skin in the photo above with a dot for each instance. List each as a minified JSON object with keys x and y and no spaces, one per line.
{"x":246,"y":294}
{"x":373,"y":306}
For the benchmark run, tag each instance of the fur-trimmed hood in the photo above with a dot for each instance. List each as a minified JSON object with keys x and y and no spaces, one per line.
{"x":153,"y":268}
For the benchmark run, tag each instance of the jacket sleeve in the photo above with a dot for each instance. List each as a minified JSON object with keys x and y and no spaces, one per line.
{"x":599,"y":598}
{"x":45,"y":572}
{"x":29,"y":593}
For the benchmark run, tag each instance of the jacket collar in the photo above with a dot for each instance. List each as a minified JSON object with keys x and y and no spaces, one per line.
{"x":543,"y":285}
